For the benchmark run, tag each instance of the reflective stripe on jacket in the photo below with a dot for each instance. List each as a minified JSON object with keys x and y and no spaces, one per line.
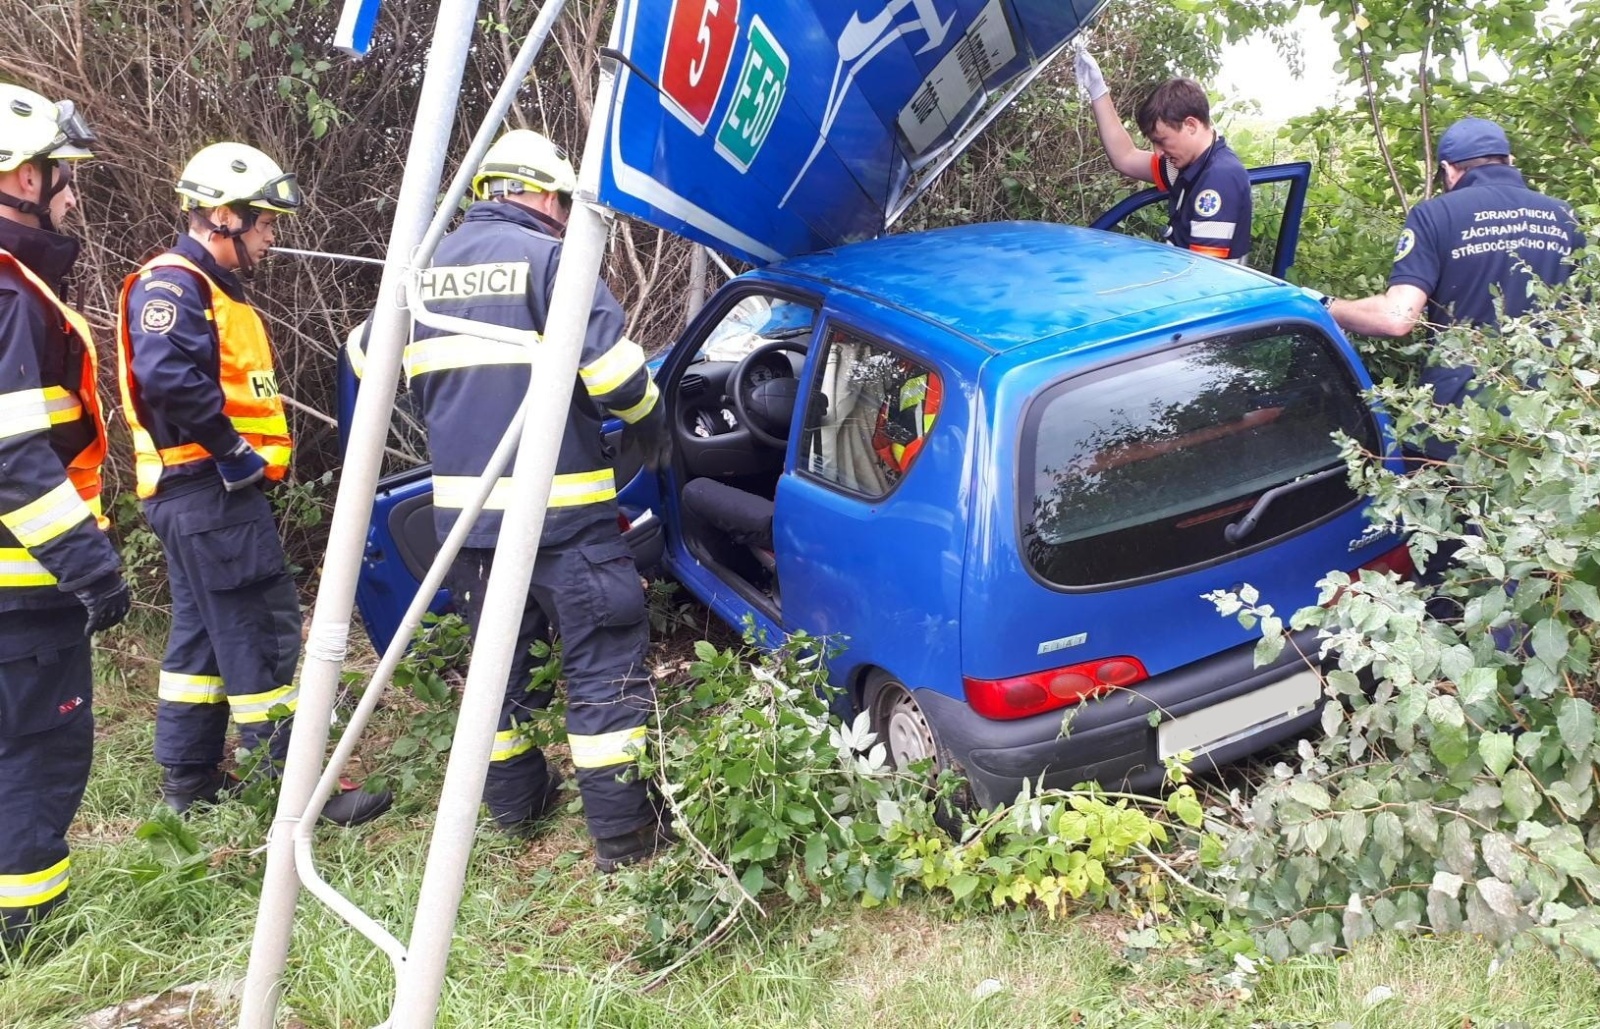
{"x":244,"y":370}
{"x":52,"y":444}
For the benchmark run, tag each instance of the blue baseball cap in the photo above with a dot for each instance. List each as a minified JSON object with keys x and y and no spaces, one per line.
{"x":1473,"y":137}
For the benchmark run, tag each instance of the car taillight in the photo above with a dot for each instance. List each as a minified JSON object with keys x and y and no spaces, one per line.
{"x":1397,"y":561}
{"x":1037,"y":692}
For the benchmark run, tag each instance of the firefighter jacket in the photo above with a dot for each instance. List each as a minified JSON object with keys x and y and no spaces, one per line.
{"x":499,"y":266}
{"x":196,"y":372}
{"x":52,"y":438}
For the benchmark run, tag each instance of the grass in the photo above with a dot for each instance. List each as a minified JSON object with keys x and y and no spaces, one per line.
{"x":544,"y":941}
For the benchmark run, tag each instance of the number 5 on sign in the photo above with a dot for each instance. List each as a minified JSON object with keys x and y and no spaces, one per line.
{"x":694,"y":65}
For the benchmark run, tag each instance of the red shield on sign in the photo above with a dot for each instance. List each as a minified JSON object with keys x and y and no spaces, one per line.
{"x":700,"y":39}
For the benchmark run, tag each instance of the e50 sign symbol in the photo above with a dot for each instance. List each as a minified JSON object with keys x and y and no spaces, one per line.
{"x":700,"y":38}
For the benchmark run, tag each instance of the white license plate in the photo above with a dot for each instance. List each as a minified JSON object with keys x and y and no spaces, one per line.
{"x":1236,"y":718}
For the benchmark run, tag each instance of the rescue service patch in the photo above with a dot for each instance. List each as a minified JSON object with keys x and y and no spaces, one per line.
{"x":1403,"y":245}
{"x":463,"y":282}
{"x":1208,"y":203}
{"x":158,"y":316}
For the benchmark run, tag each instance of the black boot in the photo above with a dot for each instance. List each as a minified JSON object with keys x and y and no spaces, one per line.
{"x":355,"y":806}
{"x":614,"y":852}
{"x":524,"y":824}
{"x":185,"y":786}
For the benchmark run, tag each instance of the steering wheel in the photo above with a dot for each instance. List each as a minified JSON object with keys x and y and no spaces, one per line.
{"x":765,"y":404}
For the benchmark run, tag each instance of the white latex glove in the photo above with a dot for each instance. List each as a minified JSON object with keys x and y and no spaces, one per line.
{"x":1090,"y":78}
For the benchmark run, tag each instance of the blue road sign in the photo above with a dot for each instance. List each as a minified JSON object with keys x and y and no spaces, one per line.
{"x":356,"y":22}
{"x":769,"y":128}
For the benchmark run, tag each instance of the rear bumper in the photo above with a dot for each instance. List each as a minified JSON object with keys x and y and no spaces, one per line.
{"x":1111,"y":740}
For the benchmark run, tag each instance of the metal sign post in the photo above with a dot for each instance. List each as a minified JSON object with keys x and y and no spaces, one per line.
{"x":330,"y":621}
{"x":555,"y":370}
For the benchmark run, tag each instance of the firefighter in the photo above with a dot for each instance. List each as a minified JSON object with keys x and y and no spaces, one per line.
{"x":60,"y":578}
{"x":499,"y":266}
{"x":200,"y":393}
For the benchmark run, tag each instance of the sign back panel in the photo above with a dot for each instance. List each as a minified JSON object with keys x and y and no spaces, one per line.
{"x":771,"y":128}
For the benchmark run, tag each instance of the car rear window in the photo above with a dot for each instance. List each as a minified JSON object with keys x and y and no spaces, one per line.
{"x":1137,"y":469}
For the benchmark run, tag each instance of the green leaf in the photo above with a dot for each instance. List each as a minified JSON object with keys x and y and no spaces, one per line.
{"x":816,"y":853}
{"x":705,"y":651}
{"x":1310,"y":794}
{"x":1520,"y":794}
{"x":405,"y":746}
{"x":1575,"y":720}
{"x":1496,"y":749}
{"x":754,"y":880}
{"x":1478,"y":686}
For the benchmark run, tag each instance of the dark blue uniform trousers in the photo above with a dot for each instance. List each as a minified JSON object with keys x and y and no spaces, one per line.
{"x":46,"y":744}
{"x":586,"y":589}
{"x":235,"y":636}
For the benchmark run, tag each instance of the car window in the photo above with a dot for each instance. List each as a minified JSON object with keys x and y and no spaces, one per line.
{"x":756,"y":320}
{"x":869,"y":414}
{"x":1137,"y":469}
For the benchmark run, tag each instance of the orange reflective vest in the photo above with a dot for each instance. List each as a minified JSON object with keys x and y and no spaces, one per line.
{"x":249,"y":383}
{"x":905,"y":419}
{"x":83,"y":471}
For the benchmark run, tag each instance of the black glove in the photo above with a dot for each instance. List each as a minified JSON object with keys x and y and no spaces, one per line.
{"x":241,"y":467}
{"x":649,"y":439}
{"x":107,"y":600}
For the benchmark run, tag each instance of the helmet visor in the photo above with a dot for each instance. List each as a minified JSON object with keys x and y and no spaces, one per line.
{"x":279,"y":194}
{"x":75,"y":140}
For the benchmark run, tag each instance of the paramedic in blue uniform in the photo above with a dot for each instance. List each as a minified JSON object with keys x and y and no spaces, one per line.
{"x":1464,"y":249}
{"x":1207,"y":187}
{"x":499,"y":266}
{"x":59,"y":574}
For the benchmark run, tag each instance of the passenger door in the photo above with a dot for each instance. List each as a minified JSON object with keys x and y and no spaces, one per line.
{"x":1278,"y":192}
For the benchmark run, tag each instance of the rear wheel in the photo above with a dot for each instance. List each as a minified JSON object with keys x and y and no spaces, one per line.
{"x":903,"y":728}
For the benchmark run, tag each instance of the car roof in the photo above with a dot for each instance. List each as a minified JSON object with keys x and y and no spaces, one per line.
{"x":1006,"y":284}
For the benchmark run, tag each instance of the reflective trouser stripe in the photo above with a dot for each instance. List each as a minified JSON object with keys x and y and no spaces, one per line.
{"x":510,"y":743}
{"x":574,"y":490}
{"x":606,"y":749}
{"x":257,"y":707}
{"x":183,"y":688}
{"x":52,"y":515}
{"x":613,"y":368}
{"x":18,"y":568}
{"x":643,"y":407}
{"x":34,"y":888}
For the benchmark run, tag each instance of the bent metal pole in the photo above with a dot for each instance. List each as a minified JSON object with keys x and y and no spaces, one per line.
{"x":554,"y":372}
{"x":330,"y":620}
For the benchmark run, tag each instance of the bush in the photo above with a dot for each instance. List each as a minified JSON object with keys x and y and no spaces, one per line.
{"x":1455,"y":787}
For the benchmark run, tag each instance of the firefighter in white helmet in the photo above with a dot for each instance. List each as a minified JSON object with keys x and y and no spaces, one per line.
{"x":200,"y":393}
{"x":59,"y":574}
{"x":499,"y":266}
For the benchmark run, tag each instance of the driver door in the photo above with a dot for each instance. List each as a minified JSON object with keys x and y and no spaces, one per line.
{"x":1278,"y":194}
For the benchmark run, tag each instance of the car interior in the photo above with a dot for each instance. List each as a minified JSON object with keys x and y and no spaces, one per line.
{"x":733,"y":408}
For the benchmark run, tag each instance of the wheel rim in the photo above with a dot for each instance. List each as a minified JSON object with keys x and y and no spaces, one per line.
{"x":908,"y":735}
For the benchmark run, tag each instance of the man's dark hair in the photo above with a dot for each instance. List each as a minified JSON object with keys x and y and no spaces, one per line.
{"x":1478,"y":162}
{"x":1172,"y":102}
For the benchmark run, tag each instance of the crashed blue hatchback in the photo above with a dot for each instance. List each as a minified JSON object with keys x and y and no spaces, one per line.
{"x":1001,"y":465}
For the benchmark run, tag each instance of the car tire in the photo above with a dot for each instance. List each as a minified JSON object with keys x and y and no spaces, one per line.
{"x":908,"y":737}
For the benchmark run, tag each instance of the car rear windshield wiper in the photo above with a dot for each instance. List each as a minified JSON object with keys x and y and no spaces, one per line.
{"x":1237,"y":531}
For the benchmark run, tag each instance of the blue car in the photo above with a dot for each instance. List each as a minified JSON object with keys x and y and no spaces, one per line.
{"x":1002,"y":464}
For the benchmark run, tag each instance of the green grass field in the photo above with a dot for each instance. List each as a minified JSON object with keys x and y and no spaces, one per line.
{"x":544,"y":941}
